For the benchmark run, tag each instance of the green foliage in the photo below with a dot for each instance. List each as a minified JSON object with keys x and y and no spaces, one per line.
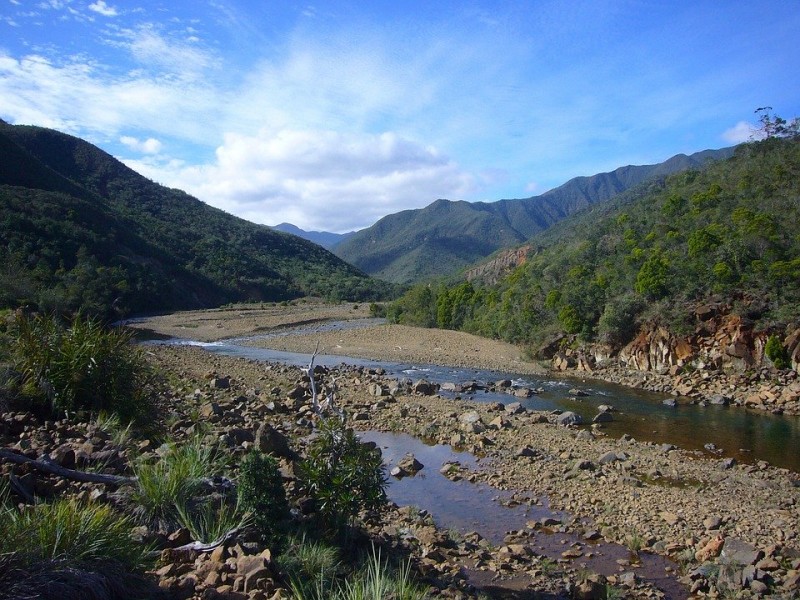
{"x":166,"y":486}
{"x":209,"y":520}
{"x":68,"y":531}
{"x":650,"y":255}
{"x":341,"y":474}
{"x":777,"y":352}
{"x":375,"y":580}
{"x":82,"y":367}
{"x":617,"y":324}
{"x":652,"y":280}
{"x":261,"y":492}
{"x":81,"y":231}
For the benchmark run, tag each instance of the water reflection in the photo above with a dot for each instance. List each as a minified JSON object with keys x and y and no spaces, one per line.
{"x":740,"y":433}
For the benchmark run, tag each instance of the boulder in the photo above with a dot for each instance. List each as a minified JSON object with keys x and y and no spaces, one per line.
{"x":568,"y":418}
{"x":515,"y":408}
{"x":603,"y":417}
{"x":424,"y":388}
{"x":271,"y":441}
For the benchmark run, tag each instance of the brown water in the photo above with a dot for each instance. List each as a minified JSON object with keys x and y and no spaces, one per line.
{"x":465,"y":507}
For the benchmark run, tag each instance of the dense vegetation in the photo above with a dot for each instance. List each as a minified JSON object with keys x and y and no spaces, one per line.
{"x":447,"y":236}
{"x":80,"y":230}
{"x":730,"y":230}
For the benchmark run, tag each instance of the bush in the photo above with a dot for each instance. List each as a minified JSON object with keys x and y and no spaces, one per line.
{"x":617,"y":324}
{"x":69,"y":551}
{"x":374,"y":580}
{"x":261,"y":493}
{"x":166,"y":486}
{"x":81,"y":367}
{"x":341,"y":474}
{"x":68,"y":530}
{"x":777,"y":353}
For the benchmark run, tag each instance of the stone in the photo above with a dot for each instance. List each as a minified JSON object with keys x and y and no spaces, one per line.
{"x":735,"y":551}
{"x":671,"y":402}
{"x":515,"y":408}
{"x":523,"y":393}
{"x":718,"y":400}
{"x":499,"y":423}
{"x":603,"y":417}
{"x":577,"y":392}
{"x":221,"y":383}
{"x":711,"y":549}
{"x":424,"y":388}
{"x":608,"y":458}
{"x":271,"y":441}
{"x":670,"y":518}
{"x":409,"y":464}
{"x":526,"y":451}
{"x":568,"y":418}
{"x":711,"y":523}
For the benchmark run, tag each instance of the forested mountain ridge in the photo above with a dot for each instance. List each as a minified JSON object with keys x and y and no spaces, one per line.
{"x":726,"y":236}
{"x":81,"y":230}
{"x":447,"y":236}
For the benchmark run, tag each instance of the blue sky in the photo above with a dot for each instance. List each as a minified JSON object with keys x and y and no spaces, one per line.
{"x":331,"y":115}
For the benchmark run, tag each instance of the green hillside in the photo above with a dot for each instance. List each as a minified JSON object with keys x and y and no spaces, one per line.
{"x":730,"y":231}
{"x":447,"y":236}
{"x":81,"y":230}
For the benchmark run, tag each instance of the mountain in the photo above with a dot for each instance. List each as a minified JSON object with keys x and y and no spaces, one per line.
{"x":326,"y":239}
{"x":447,"y":236}
{"x":81,"y":230}
{"x":665,"y":257}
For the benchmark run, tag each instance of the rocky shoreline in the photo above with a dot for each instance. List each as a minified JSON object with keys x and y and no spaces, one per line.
{"x":649,"y":497}
{"x":730,"y":530}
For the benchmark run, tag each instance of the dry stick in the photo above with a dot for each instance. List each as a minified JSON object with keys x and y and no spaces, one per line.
{"x":54,"y":469}
{"x":201,"y":547}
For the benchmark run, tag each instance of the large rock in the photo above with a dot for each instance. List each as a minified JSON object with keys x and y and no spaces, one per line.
{"x":424,"y":388}
{"x":271,"y":441}
{"x":568,"y":418}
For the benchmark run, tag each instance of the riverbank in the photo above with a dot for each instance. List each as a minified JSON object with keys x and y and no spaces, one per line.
{"x":380,"y":341}
{"x":649,"y":497}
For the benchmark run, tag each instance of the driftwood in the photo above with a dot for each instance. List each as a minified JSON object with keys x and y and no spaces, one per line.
{"x":54,"y":469}
{"x":201,"y":547}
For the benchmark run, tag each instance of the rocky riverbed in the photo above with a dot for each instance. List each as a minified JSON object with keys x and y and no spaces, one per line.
{"x":730,"y":529}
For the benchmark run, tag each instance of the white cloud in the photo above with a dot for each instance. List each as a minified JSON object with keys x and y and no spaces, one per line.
{"x":741,"y":132}
{"x":171,"y":57}
{"x":104,"y":9}
{"x":148,"y":146}
{"x":317,"y":179}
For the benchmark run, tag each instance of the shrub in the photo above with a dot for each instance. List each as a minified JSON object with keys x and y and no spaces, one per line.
{"x":167,"y":485}
{"x":261,"y":493}
{"x":68,"y":530}
{"x":341,"y":474}
{"x":777,"y":353}
{"x":375,"y":580}
{"x":617,"y":324}
{"x":81,"y":367}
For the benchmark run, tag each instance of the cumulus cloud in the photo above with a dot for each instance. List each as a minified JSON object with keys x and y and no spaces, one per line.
{"x":741,"y":132}
{"x":321,"y":180}
{"x":148,"y":146}
{"x":104,"y":9}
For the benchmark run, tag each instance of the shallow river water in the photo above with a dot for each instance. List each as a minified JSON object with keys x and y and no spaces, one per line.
{"x":734,"y":432}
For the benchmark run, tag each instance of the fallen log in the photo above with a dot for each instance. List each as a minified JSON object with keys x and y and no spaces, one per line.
{"x":48,"y":467}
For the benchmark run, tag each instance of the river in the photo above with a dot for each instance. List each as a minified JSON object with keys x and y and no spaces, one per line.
{"x":743,"y":434}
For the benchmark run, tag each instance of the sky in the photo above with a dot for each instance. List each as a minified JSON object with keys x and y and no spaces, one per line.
{"x":331,"y":115}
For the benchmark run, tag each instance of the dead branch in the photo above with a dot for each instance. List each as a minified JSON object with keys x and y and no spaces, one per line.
{"x":54,"y":469}
{"x":201,"y":547}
